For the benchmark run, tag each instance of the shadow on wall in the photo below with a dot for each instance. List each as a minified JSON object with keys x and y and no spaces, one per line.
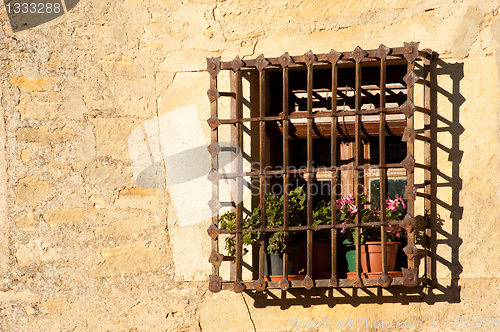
{"x":440,"y":289}
{"x":25,"y":14}
{"x":171,"y":149}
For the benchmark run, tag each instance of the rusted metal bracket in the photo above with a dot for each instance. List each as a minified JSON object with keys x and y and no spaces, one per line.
{"x":213,"y":94}
{"x":410,"y":277}
{"x":308,"y":283}
{"x":358,"y":282}
{"x":213,"y":122}
{"x":411,"y":250}
{"x":239,"y":286}
{"x":213,"y":231}
{"x":214,"y":176}
{"x":309,"y":58}
{"x":358,"y":54}
{"x":409,"y":135}
{"x":236,"y":64}
{"x":261,"y":62}
{"x":260,"y":284}
{"x":285,"y":60}
{"x":213,"y":66}
{"x":385,"y":280}
{"x":408,"y":108}
{"x":410,"y":79}
{"x":284,"y":284}
{"x":214,"y":148}
{"x":408,"y":223}
{"x":334,"y":56}
{"x":334,"y":282}
{"x":410,"y":193}
{"x":382,"y":52}
{"x":410,"y":51}
{"x":409,"y":163}
{"x":214,"y":205}
{"x":215,"y":258}
{"x":215,"y":284}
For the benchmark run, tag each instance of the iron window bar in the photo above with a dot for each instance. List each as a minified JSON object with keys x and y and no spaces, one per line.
{"x":408,"y":55}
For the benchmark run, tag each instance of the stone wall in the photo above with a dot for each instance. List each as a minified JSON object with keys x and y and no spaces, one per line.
{"x":83,"y":247}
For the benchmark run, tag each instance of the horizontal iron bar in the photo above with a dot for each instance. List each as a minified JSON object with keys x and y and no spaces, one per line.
{"x":417,"y":165}
{"x":314,"y":170}
{"x":322,"y":283}
{"x":422,"y":138}
{"x":424,"y":195}
{"x":422,"y":110}
{"x":323,"y":114}
{"x":322,"y":58}
{"x":305,"y":228}
{"x":227,"y":94}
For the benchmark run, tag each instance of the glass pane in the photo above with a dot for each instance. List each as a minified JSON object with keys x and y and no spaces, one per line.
{"x":394,"y":186}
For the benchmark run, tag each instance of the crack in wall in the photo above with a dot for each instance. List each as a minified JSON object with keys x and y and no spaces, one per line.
{"x":249,"y":313}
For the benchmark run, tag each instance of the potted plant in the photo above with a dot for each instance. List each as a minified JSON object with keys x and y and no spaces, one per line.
{"x":276,"y":243}
{"x":371,"y":244}
{"x":321,"y":246}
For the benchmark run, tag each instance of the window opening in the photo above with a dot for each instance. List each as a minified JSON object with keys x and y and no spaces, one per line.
{"x":342,"y":120}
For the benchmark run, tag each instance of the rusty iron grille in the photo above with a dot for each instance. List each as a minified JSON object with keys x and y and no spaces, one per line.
{"x":416,"y":65}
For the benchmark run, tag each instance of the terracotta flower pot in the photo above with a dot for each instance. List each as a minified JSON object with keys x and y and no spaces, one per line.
{"x":371,"y":256}
{"x":322,"y":257}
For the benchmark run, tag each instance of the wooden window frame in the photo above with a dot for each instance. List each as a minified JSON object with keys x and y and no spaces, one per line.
{"x":410,"y":55}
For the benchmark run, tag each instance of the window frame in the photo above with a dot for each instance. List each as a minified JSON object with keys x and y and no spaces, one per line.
{"x":409,"y":54}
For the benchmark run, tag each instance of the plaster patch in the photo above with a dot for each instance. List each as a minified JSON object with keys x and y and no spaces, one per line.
{"x":74,"y":106}
{"x":466,"y":33}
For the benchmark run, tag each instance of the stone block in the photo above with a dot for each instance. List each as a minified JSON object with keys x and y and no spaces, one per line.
{"x":105,"y":177}
{"x":56,"y":306}
{"x":119,"y":65}
{"x":130,"y":258}
{"x":21,"y":296}
{"x":121,"y":223}
{"x":69,"y":216}
{"x":54,"y":63}
{"x":36,"y":251}
{"x":25,"y":155}
{"x":112,"y":137}
{"x":32,"y":191}
{"x":28,"y":221}
{"x":231,"y":313}
{"x":43,"y":136}
{"x":138,"y":198}
{"x":38,"y":105}
{"x":139,"y":107}
{"x":34,"y":84}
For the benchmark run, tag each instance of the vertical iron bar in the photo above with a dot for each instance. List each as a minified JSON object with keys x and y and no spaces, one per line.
{"x":334,"y":163}
{"x":237,"y":138}
{"x":286,"y":124}
{"x":309,"y":168}
{"x":262,"y":142}
{"x":383,"y":170}
{"x":358,"y":160}
{"x":215,"y":165}
{"x":410,"y":176}
{"x":427,"y":173}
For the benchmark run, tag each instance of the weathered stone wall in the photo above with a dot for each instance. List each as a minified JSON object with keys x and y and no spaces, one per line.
{"x":84,"y":248}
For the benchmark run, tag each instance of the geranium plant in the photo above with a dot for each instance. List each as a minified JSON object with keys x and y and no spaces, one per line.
{"x":297,"y":211}
{"x":348,"y":210}
{"x":274,"y":218}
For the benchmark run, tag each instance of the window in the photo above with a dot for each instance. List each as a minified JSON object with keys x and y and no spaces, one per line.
{"x":325,"y":126}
